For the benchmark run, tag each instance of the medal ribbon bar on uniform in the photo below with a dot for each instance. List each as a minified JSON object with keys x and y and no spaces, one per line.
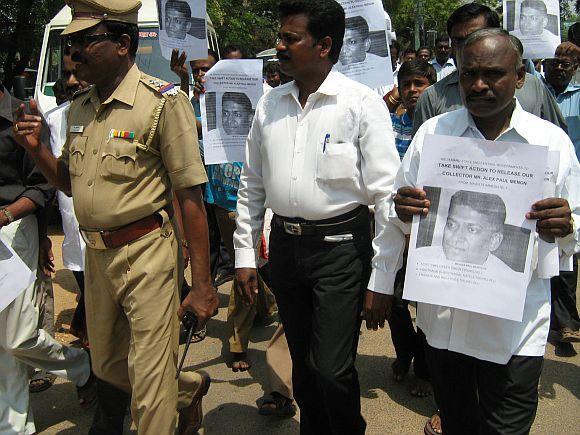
{"x":121,"y":134}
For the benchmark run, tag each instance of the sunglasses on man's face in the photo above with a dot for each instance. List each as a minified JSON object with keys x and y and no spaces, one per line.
{"x":198,"y":70}
{"x":86,"y":40}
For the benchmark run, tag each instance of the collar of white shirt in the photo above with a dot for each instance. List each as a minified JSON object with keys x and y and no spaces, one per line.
{"x":330,"y":86}
{"x":465,"y":121}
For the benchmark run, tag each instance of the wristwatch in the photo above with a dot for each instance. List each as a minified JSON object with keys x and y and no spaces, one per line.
{"x":8,"y":215}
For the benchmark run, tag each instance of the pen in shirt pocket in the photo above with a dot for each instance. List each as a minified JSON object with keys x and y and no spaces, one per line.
{"x":326,"y":140}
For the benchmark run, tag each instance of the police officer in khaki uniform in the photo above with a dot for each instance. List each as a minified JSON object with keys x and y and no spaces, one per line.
{"x":131,"y":142}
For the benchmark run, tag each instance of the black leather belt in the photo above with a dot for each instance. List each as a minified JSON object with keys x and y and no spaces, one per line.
{"x":345,"y":223}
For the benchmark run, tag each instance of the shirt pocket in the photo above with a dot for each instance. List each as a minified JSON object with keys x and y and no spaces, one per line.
{"x":337,"y":163}
{"x":77,"y":155}
{"x":119,"y":160}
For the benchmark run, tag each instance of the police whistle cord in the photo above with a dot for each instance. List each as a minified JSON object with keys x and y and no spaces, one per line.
{"x":190,"y":323}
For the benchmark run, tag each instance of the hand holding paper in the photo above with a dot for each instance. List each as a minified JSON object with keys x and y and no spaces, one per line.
{"x":554,"y":217}
{"x":410,"y":201}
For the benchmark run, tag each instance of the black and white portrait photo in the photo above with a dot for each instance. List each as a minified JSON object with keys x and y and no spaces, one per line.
{"x":536,"y":23}
{"x":358,"y":43}
{"x":364,"y":55}
{"x":475,"y":230}
{"x":182,"y":25}
{"x":237,"y":113}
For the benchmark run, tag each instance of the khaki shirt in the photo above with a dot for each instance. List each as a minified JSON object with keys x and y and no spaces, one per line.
{"x":114,"y":182}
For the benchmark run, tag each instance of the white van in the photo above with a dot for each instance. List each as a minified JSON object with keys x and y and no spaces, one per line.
{"x":149,"y":57}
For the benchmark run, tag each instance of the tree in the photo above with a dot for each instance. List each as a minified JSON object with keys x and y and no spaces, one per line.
{"x":250,"y":24}
{"x":403,"y":13}
{"x":21,"y":28}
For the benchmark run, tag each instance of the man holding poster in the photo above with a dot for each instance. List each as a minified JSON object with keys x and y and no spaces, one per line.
{"x":485,"y":370}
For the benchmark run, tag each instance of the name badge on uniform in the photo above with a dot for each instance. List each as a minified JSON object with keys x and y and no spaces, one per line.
{"x":77,"y":128}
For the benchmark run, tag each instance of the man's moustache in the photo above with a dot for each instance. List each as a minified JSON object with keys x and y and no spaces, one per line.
{"x":284,"y":56}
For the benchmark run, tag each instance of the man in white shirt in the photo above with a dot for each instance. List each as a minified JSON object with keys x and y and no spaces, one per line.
{"x":320,"y":150}
{"x":443,"y":62}
{"x":485,"y":370}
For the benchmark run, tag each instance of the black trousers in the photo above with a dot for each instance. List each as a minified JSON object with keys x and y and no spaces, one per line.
{"x":564,"y":312}
{"x":409,"y":344}
{"x":481,"y":397}
{"x":219,"y":259}
{"x":319,"y":287}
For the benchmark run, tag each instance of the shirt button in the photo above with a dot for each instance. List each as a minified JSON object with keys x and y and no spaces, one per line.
{"x":95,"y":151}
{"x":117,"y":153}
{"x":90,"y":183}
{"x":295,"y":178}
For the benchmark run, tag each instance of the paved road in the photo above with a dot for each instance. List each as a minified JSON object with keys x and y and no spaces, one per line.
{"x":230,"y":407}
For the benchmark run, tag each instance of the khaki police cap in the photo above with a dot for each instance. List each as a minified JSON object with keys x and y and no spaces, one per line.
{"x":89,"y":13}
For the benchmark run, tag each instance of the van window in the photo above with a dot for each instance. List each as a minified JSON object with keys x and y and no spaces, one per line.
{"x":149,"y":59}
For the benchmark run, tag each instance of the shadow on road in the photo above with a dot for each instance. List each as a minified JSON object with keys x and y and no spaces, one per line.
{"x":561,"y":373}
{"x":244,"y":419}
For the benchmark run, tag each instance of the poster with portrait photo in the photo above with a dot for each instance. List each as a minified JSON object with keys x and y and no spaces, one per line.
{"x":232,"y":91}
{"x":15,"y":276}
{"x":536,"y":23}
{"x":182,"y":25}
{"x":474,"y":249}
{"x":364,"y":56}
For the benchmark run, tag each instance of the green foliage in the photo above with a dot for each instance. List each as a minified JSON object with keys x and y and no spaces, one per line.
{"x":435,"y":12}
{"x":251,"y":24}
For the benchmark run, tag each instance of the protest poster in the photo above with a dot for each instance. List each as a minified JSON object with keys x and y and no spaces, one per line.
{"x":232,"y":90}
{"x":15,"y":276}
{"x":536,"y":23}
{"x":548,"y":251}
{"x":182,"y":25}
{"x":474,"y":249}
{"x":364,"y":56}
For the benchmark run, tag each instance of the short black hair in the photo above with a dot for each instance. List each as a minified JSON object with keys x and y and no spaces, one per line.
{"x":59,"y":90}
{"x":238,"y":97}
{"x":232,"y":48}
{"x":417,"y":67}
{"x":409,"y":50}
{"x":359,"y":24}
{"x":213,"y":54}
{"x":325,"y":18}
{"x":424,"y":47}
{"x":471,"y":11}
{"x":574,"y":33}
{"x":442,"y":39}
{"x":272,"y":67}
{"x":179,"y":6}
{"x":118,"y":29}
{"x":396,"y":46}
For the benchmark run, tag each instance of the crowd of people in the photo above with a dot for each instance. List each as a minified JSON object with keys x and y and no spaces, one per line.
{"x":312,"y":228}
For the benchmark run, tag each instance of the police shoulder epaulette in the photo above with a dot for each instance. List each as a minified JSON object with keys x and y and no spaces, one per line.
{"x":162,"y":87}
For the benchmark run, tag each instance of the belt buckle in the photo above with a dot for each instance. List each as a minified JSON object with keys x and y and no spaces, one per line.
{"x":94,"y":239}
{"x":292,"y":228}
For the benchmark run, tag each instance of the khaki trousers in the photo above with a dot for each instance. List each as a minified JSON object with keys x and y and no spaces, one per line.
{"x":131,"y":296}
{"x":241,"y":316}
{"x":24,"y":345}
{"x":279,"y":364}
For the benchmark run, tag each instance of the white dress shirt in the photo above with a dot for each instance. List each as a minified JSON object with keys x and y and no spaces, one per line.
{"x":443,"y":70}
{"x":485,"y":337}
{"x":293,"y":170}
{"x":73,"y":246}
